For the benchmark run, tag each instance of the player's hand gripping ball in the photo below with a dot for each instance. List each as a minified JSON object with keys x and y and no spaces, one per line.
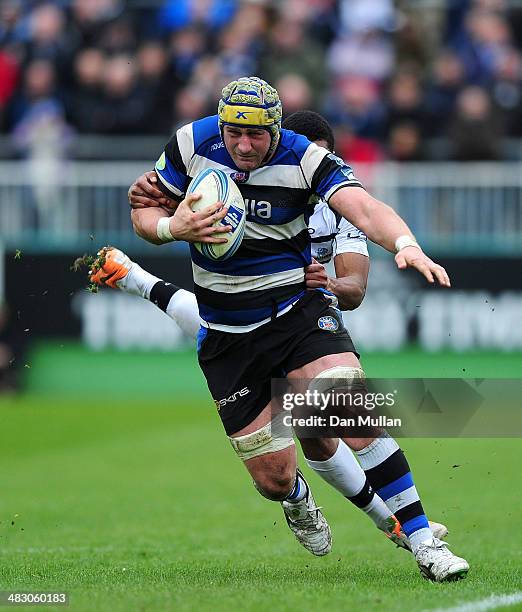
{"x":216,"y":186}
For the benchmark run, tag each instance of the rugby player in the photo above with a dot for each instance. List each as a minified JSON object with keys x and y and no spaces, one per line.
{"x":255,"y":305}
{"x":332,"y":237}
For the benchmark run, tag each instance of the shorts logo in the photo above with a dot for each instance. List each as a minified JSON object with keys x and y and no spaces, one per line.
{"x":229,"y":400}
{"x":328,"y":324}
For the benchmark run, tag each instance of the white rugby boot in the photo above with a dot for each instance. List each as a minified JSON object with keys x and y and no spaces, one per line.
{"x":437,"y":562}
{"x":398,"y":537}
{"x":307,"y":522}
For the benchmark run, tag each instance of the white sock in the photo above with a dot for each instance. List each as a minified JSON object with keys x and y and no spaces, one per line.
{"x":377,"y":452}
{"x":299,"y":490}
{"x":421,"y":536}
{"x":183,"y":308}
{"x":138,"y":281}
{"x":343,"y":472}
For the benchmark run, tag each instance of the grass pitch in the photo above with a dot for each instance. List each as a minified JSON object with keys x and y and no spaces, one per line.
{"x":140,"y":504}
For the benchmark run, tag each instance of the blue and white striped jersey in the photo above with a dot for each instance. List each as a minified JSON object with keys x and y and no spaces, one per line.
{"x":265,"y":277}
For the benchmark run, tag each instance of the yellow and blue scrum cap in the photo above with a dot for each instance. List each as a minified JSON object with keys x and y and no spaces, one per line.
{"x":251,"y":102}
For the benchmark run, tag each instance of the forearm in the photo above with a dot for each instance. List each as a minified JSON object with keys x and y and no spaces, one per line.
{"x":349,"y":292}
{"x":145,"y":223}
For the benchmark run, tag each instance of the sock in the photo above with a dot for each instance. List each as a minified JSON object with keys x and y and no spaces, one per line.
{"x":343,"y":473}
{"x":299,"y":490}
{"x":180,"y":305}
{"x":183,"y":308}
{"x":138,"y":281}
{"x":389,"y":474}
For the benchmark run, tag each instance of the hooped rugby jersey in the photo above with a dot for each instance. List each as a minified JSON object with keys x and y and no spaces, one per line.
{"x":265,"y":277}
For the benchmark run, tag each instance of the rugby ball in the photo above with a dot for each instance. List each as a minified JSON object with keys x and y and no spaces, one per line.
{"x":216,"y":186}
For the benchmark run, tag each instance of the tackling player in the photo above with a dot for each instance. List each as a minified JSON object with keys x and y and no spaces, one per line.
{"x":255,"y":303}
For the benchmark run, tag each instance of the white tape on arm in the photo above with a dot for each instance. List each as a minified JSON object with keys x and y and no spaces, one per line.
{"x":405,"y":241}
{"x":163,"y":230}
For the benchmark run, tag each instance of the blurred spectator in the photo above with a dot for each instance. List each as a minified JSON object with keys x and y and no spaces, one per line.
{"x":356,"y":102}
{"x":368,"y":53}
{"x":88,"y":18}
{"x":84,"y":99}
{"x":405,"y":103}
{"x":237,"y":51}
{"x":357,"y":150}
{"x":12,"y":27}
{"x":118,"y":37}
{"x":447,"y":80}
{"x":180,"y":14}
{"x":12,"y":351}
{"x":285,"y":56}
{"x":410,"y":44}
{"x":475,"y":131}
{"x":191,"y":104}
{"x":405,"y":143}
{"x":124,"y":102}
{"x":486,"y":38}
{"x":155,"y":80}
{"x":187,"y":48}
{"x":47,"y":25}
{"x":361,"y":15}
{"x":294,"y":92}
{"x":39,"y":84}
{"x":507,"y":91}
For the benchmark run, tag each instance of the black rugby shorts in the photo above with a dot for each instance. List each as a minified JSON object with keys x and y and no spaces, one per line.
{"x":239,"y":367}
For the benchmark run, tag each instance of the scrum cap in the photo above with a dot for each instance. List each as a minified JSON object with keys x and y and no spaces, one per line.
{"x":251,"y":102}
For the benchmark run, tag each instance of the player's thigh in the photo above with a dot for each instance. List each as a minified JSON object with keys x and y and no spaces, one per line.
{"x":321,"y":340}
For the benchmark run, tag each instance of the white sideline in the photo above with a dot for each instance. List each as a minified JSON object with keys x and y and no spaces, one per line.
{"x":490,"y":603}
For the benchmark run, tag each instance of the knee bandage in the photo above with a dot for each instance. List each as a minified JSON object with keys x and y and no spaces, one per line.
{"x":268,"y":439}
{"x":339,"y":377}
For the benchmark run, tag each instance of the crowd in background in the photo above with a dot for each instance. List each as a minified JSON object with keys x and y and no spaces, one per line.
{"x":390,"y":78}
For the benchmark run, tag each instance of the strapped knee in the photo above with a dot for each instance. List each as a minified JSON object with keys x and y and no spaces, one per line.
{"x":267,"y":439}
{"x":339,"y":377}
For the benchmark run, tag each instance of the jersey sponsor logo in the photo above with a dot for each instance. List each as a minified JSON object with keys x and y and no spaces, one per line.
{"x":262,"y":209}
{"x":328,"y":323}
{"x":233,"y":217}
{"x":218,"y":145}
{"x":232,"y":398}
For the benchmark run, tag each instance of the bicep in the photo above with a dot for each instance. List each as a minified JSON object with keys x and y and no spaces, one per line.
{"x":354,"y":204}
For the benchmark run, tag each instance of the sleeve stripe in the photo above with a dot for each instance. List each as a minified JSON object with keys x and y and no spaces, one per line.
{"x":168,"y":185}
{"x":336,"y":188}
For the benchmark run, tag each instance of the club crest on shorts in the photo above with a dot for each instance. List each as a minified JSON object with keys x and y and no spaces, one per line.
{"x":328,"y":323}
